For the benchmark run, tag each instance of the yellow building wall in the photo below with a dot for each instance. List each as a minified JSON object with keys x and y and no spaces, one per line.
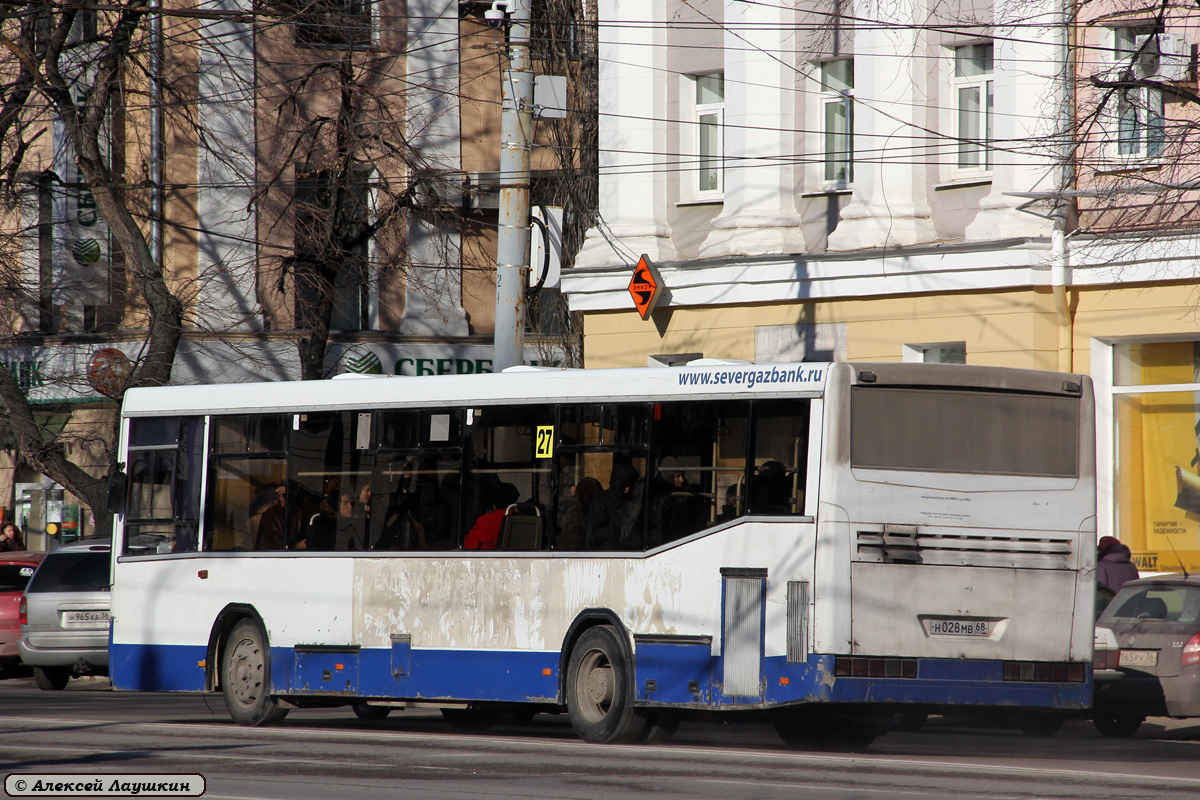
{"x":1012,"y":329}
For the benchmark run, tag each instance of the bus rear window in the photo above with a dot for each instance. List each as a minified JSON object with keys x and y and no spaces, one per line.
{"x":989,"y":433}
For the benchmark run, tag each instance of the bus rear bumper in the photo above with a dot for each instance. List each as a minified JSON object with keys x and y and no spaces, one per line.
{"x":931,"y":682}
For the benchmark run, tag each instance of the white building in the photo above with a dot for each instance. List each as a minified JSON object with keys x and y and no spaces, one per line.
{"x":876,"y":181}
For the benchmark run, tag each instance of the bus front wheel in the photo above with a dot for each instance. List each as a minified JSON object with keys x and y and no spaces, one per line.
{"x":246,"y":677}
{"x":599,"y":695}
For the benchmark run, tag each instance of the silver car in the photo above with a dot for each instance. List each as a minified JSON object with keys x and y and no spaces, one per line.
{"x":65,"y":614}
{"x":1152,"y":634}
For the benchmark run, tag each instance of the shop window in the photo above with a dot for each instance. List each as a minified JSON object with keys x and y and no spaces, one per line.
{"x":1156,"y":414}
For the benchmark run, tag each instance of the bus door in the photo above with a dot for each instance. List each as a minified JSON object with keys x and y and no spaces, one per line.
{"x":743,"y":594}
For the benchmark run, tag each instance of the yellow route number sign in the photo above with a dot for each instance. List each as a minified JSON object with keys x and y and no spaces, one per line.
{"x":545,"y":442}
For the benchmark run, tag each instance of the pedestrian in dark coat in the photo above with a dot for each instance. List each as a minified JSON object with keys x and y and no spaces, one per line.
{"x":1114,"y":565}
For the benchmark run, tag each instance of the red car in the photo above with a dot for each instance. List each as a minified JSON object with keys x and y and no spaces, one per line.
{"x":16,"y":568}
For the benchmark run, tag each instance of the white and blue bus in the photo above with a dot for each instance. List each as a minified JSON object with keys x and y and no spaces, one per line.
{"x":825,"y":545}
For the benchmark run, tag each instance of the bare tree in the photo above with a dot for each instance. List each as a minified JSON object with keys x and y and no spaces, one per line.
{"x":67,"y":66}
{"x":339,"y":175}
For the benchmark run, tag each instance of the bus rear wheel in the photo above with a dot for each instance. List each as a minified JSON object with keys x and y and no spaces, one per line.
{"x":471,"y":718}
{"x":599,"y":695}
{"x":367,"y":711}
{"x":246,"y":677}
{"x":815,"y":731}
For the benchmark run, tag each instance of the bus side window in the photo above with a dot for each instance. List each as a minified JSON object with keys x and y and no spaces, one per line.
{"x":780,"y":458}
{"x":500,"y":449}
{"x":604,"y":466}
{"x":163,"y":506}
{"x":247,"y":464}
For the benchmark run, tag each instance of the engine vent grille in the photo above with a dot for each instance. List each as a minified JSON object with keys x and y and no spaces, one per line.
{"x":903,"y":544}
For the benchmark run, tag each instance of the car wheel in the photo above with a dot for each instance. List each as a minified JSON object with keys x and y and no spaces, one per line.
{"x":246,"y":677}
{"x":51,"y":678}
{"x":599,"y":699}
{"x":365,"y":711}
{"x":1121,"y":726}
{"x":471,"y":718}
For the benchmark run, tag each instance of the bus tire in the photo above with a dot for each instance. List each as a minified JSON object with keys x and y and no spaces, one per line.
{"x":471,"y":718}
{"x":246,"y":677}
{"x":599,"y":696}
{"x":1120,"y":726}
{"x":1041,"y":725}
{"x":660,"y":727}
{"x":823,"y":732}
{"x":366,"y":711}
{"x":51,"y":678}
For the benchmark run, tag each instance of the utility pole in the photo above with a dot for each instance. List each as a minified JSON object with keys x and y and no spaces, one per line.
{"x":512,"y":245}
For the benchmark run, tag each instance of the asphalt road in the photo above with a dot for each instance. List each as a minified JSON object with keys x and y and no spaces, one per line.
{"x":90,"y":730}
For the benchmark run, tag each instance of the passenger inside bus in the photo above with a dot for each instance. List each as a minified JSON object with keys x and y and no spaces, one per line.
{"x":270,"y":535}
{"x":680,"y":508}
{"x":573,"y":513}
{"x":770,"y":490}
{"x":485,"y":533}
{"x":321,"y":531}
{"x":352,"y":519}
{"x":612,"y":514}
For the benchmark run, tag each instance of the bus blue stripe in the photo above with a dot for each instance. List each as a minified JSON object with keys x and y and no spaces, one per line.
{"x":521,"y":677}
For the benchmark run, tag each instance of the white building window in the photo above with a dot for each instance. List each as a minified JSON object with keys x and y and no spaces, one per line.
{"x":940,"y":353}
{"x":837,"y":106}
{"x":332,"y":23}
{"x":1136,"y":112}
{"x":974,"y":101}
{"x":709,"y":118}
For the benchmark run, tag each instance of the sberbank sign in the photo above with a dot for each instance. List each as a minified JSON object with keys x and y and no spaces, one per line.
{"x":424,"y":359}
{"x":442,"y":366}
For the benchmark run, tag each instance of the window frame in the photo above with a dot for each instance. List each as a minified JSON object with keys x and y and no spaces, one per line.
{"x":828,"y":96}
{"x":349,"y":296}
{"x":695,"y":161}
{"x":1118,"y":54}
{"x":306,"y":18}
{"x":984,"y":83}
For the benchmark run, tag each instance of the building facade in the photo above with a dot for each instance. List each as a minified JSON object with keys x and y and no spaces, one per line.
{"x":980,"y":183}
{"x":243,"y":137}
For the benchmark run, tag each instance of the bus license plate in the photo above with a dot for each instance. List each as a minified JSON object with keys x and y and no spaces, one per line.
{"x":80,"y":617}
{"x":959,"y":627}
{"x":1138,"y":658}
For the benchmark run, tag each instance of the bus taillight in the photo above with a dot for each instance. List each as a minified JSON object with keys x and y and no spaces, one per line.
{"x":855,"y":667}
{"x":1044,"y":672}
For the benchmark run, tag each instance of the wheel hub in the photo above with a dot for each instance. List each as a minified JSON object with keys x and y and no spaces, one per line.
{"x":599,"y":686}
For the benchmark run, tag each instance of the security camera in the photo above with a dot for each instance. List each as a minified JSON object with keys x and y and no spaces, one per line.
{"x":494,"y":16}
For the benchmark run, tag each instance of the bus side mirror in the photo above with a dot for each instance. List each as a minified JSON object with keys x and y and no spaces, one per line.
{"x":118,"y":484}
